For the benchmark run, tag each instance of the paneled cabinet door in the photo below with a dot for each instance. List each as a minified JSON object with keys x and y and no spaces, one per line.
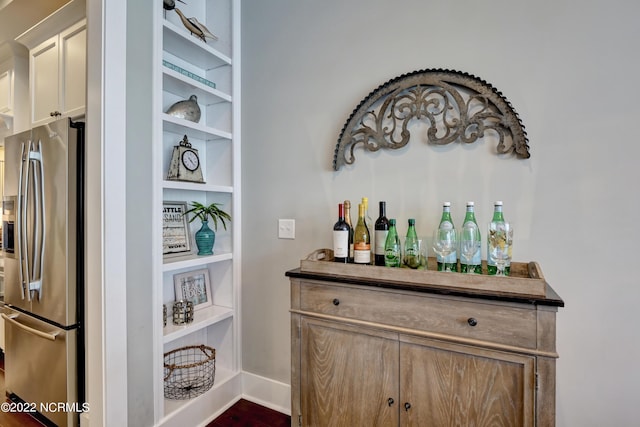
{"x":45,"y":76}
{"x":58,"y":75}
{"x":73,"y":46}
{"x":5,"y":92}
{"x":446,"y":384}
{"x":349,"y":376}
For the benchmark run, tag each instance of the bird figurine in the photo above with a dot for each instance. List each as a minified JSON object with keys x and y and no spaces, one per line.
{"x":170,"y":4}
{"x":187,"y":109}
{"x":196,"y":28}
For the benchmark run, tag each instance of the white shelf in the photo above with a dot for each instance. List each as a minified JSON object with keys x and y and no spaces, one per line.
{"x":196,"y":130}
{"x":183,"y":66}
{"x":190,"y":261}
{"x":201,"y":319}
{"x":195,"y":186}
{"x":178,"y":84}
{"x":222,"y":376}
{"x":180,"y":43}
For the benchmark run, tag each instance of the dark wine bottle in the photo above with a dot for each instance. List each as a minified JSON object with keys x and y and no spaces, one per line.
{"x":381,"y":229}
{"x":341,"y":237}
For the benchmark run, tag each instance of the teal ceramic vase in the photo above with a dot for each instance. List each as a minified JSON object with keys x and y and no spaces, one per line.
{"x":205,"y":238}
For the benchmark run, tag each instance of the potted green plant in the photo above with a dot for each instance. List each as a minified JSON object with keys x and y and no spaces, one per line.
{"x":206,"y":237}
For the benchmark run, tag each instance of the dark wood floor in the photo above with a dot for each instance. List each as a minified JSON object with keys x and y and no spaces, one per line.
{"x":248,"y":414}
{"x":8,"y":419}
{"x":242,"y":414}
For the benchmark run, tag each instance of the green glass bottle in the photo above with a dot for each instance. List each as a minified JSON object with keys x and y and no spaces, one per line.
{"x":392,"y":254}
{"x":476,"y":261}
{"x":497,"y":217}
{"x":411,"y":246}
{"x":451,"y":261}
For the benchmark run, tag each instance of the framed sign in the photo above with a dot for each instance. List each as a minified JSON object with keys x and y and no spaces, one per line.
{"x":176,"y":236}
{"x":194,"y":286}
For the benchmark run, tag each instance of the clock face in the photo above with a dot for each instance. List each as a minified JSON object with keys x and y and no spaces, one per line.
{"x":190,"y":160}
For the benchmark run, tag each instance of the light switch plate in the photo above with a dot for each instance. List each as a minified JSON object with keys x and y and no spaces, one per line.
{"x":286,"y":228}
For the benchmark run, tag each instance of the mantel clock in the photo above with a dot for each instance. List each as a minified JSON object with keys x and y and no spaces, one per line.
{"x":185,"y":163}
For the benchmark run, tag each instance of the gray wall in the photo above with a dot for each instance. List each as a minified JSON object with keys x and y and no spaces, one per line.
{"x":570,"y":70}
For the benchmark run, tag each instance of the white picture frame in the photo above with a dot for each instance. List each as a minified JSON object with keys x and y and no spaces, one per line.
{"x":194,"y":286}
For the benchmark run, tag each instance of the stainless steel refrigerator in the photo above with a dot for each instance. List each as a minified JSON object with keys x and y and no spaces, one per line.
{"x":44,"y":270}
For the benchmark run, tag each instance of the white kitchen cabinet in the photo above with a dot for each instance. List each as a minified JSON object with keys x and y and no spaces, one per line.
{"x":57,"y":70}
{"x":183,"y":66}
{"x":14,"y":87}
{"x":5,"y":90}
{"x":6,"y":101}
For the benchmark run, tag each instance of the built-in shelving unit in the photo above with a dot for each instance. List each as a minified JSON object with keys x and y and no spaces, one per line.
{"x":184,"y":65}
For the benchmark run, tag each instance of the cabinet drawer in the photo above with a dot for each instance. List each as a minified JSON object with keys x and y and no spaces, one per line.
{"x":494,"y":322}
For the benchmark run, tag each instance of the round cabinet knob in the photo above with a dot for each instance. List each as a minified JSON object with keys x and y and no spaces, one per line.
{"x":407,"y":406}
{"x":391,"y":401}
{"x":472,"y":321}
{"x":336,"y":301}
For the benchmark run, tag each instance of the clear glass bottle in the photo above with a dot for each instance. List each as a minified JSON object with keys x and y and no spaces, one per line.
{"x":476,"y":261}
{"x":451,"y":261}
{"x":411,"y":246}
{"x":347,"y":218}
{"x":392,"y":253}
{"x":369,"y":223}
{"x":497,"y":217}
{"x":381,"y":229}
{"x":341,"y":237}
{"x":361,"y":240}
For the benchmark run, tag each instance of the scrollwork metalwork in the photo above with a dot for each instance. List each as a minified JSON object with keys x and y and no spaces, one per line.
{"x":456,"y":106}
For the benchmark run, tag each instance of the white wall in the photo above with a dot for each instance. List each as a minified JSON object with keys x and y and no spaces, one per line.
{"x":140,"y":280}
{"x":570,"y":70}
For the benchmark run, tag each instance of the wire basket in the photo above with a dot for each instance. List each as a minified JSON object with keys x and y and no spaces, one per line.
{"x":189,"y":371}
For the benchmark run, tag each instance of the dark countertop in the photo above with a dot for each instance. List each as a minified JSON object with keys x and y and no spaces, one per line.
{"x":550,"y":299}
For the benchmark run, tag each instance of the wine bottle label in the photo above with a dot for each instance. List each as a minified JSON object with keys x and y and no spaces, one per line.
{"x":362,"y":253}
{"x":362,"y":256}
{"x":340,"y":243}
{"x":380,"y":240}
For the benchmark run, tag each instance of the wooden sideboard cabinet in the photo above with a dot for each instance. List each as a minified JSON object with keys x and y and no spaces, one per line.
{"x":395,"y":347}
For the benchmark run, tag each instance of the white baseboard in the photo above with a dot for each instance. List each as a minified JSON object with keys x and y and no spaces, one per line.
{"x":266,"y":392}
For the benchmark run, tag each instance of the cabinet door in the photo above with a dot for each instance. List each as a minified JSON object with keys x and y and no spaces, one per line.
{"x":5,"y":92}
{"x":455,"y":385}
{"x":348,"y":375}
{"x":44,"y":80}
{"x":73,"y":46}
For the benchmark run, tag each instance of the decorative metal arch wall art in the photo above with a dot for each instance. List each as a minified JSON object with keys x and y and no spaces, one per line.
{"x":456,"y":106}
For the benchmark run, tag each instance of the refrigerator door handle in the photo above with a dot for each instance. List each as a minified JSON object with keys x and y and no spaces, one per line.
{"x":21,"y":218}
{"x":31,"y":279}
{"x":51,"y":336}
{"x":35,"y":282}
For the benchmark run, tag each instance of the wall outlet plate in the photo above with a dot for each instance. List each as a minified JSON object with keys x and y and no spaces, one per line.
{"x":286,"y":228}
